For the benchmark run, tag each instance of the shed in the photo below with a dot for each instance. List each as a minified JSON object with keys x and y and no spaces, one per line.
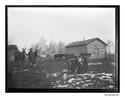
{"x":11,"y":52}
{"x":95,"y":46}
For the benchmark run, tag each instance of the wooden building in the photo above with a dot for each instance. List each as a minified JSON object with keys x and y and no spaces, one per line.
{"x":96,"y":47}
{"x":11,"y":52}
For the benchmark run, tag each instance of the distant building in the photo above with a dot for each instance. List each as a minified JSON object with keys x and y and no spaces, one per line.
{"x":11,"y":52}
{"x":12,"y":47}
{"x":96,"y":47}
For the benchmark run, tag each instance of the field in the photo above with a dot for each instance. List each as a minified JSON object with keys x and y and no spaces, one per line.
{"x":53,"y":74}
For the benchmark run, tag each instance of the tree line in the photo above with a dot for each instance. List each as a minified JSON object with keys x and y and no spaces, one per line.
{"x":51,"y":48}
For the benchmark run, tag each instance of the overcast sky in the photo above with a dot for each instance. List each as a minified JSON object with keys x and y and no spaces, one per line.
{"x":27,"y":25}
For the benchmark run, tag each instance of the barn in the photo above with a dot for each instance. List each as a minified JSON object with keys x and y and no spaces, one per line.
{"x":95,"y":46}
{"x":11,"y":52}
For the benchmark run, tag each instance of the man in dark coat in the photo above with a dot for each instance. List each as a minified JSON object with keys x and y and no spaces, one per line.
{"x":83,"y":66}
{"x":30,"y":56}
{"x":80,"y":65}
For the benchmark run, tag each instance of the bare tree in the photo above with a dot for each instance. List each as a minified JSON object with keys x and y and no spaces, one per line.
{"x":61,"y":47}
{"x":41,"y":46}
{"x":51,"y":48}
{"x":110,"y":47}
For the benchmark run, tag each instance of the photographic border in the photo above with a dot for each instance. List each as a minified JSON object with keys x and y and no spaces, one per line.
{"x":117,"y":50}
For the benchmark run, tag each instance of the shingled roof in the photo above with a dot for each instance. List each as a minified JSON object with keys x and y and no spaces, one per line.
{"x":84,"y":42}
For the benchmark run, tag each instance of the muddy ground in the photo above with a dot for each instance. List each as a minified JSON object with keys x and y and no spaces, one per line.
{"x":53,"y":74}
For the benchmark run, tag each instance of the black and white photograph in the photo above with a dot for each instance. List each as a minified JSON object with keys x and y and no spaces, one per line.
{"x":62,"y":48}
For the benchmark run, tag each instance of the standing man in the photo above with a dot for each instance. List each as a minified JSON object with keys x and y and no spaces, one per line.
{"x":30,"y":56}
{"x":85,"y":67}
{"x":23,"y":56}
{"x":80,"y":65}
{"x":35,"y":54}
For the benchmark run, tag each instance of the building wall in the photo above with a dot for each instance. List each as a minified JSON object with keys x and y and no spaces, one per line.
{"x":97,"y":49}
{"x":76,"y":50}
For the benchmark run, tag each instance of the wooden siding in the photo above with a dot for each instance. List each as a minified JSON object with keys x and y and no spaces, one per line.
{"x":97,"y":49}
{"x":76,"y":50}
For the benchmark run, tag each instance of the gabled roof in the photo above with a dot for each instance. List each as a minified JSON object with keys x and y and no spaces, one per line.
{"x":85,"y":42}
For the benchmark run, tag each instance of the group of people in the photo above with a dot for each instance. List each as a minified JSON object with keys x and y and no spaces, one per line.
{"x":20,"y":57}
{"x":78,"y":64}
